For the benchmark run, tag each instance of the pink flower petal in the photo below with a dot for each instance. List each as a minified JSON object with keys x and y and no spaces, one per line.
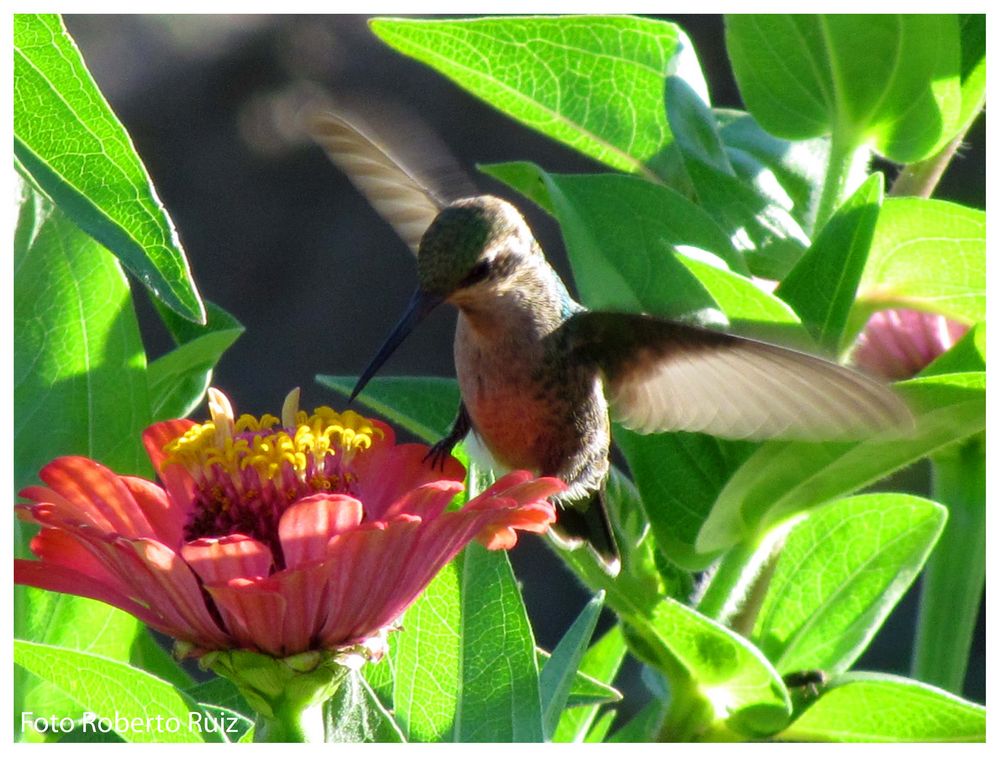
{"x":384,"y":480}
{"x":176,"y":480}
{"x":254,"y":617}
{"x":307,"y":526}
{"x":165,"y":582}
{"x":427,"y":501}
{"x":66,"y":549}
{"x":68,"y":581}
{"x":306,"y":594}
{"x":166,"y":517}
{"x":366,"y":566}
{"x":91,"y":487}
{"x":217,"y":560}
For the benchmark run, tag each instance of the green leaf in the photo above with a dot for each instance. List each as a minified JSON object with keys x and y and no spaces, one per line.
{"x":777,"y":168}
{"x":927,"y":255}
{"x":839,"y":575}
{"x":869,"y":707}
{"x":625,"y":266}
{"x":220,"y":692}
{"x":78,"y":152}
{"x":680,"y":476}
{"x":972,"y":30}
{"x":822,"y":285}
{"x":891,"y":80}
{"x":79,"y":388}
{"x":968,"y":354}
{"x":354,"y":715}
{"x":425,"y":407}
{"x":111,"y":689}
{"x":465,"y":665}
{"x":594,"y":83}
{"x":643,"y":727}
{"x":783,"y":478}
{"x":585,"y":690}
{"x":179,"y":379}
{"x":735,"y":678}
{"x":153,"y":658}
{"x":601,"y":662}
{"x":556,"y":678}
{"x":601,"y":728}
{"x":750,"y":310}
{"x":693,"y":124}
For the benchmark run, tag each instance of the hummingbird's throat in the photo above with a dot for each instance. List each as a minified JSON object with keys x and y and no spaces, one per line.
{"x":247,"y":471}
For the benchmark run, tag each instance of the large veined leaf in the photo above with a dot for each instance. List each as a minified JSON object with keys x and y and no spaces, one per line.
{"x":465,"y":670}
{"x":892,"y":80}
{"x":139,"y":707}
{"x":838,"y":576}
{"x":594,"y":83}
{"x":883,"y":708}
{"x":79,"y":388}
{"x":67,"y":137}
{"x":620,"y":265}
{"x":927,"y":255}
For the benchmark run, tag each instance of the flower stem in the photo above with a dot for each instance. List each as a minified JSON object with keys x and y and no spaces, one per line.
{"x":291,"y":724}
{"x":955,"y":574}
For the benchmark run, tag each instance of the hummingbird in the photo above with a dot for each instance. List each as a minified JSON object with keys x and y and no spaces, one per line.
{"x":541,"y":376}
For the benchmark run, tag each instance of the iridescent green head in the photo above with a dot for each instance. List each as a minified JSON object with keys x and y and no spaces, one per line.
{"x":474,"y":240}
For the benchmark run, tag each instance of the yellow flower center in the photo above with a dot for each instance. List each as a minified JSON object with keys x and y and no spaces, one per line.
{"x":299,"y":442}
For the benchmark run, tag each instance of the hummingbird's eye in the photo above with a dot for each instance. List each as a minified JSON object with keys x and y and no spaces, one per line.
{"x":477,"y":273}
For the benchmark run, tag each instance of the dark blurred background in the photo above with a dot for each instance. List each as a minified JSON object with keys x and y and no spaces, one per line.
{"x":279,"y":238}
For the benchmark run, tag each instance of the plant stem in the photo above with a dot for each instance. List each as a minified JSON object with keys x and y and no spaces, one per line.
{"x":838,"y":170}
{"x":955,"y":575}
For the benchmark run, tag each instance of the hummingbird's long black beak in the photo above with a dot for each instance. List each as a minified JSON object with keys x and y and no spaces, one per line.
{"x":421,"y":303}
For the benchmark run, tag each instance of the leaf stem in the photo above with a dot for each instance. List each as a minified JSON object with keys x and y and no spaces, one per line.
{"x":843,"y":154}
{"x":955,"y":575}
{"x":291,"y":724}
{"x":921,"y":179}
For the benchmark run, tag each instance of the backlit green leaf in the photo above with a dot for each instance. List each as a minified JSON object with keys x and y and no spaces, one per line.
{"x":892,"y":80}
{"x":927,"y":255}
{"x":141,"y":708}
{"x":870,"y":707}
{"x":839,"y":574}
{"x":594,"y":83}
{"x":67,"y":137}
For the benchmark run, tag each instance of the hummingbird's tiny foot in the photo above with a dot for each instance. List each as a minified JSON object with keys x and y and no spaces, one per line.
{"x":438,"y":454}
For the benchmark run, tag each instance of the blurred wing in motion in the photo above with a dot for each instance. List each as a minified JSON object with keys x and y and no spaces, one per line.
{"x":667,"y":376}
{"x":394,"y":191}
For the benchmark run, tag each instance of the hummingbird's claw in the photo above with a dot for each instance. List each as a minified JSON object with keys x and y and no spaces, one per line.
{"x":439,"y":453}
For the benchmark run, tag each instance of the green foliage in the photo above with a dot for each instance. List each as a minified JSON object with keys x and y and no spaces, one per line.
{"x":70,"y":141}
{"x":699,"y":202}
{"x":885,"y":708}
{"x":889,"y":79}
{"x":591,"y":82}
{"x":839,"y":574}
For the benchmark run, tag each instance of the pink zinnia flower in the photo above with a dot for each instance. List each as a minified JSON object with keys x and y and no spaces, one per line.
{"x":898,"y":344}
{"x":275,"y":536}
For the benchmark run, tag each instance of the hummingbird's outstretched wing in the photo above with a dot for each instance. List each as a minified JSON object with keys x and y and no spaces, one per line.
{"x":667,"y":376}
{"x":394,"y":191}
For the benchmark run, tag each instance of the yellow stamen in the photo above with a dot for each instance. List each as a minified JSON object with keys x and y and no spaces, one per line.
{"x":248,"y":442}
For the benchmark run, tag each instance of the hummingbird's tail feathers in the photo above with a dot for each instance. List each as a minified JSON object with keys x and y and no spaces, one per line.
{"x":589,"y":525}
{"x":667,"y":376}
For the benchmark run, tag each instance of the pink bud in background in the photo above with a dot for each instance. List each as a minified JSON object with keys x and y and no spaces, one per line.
{"x":898,"y":344}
